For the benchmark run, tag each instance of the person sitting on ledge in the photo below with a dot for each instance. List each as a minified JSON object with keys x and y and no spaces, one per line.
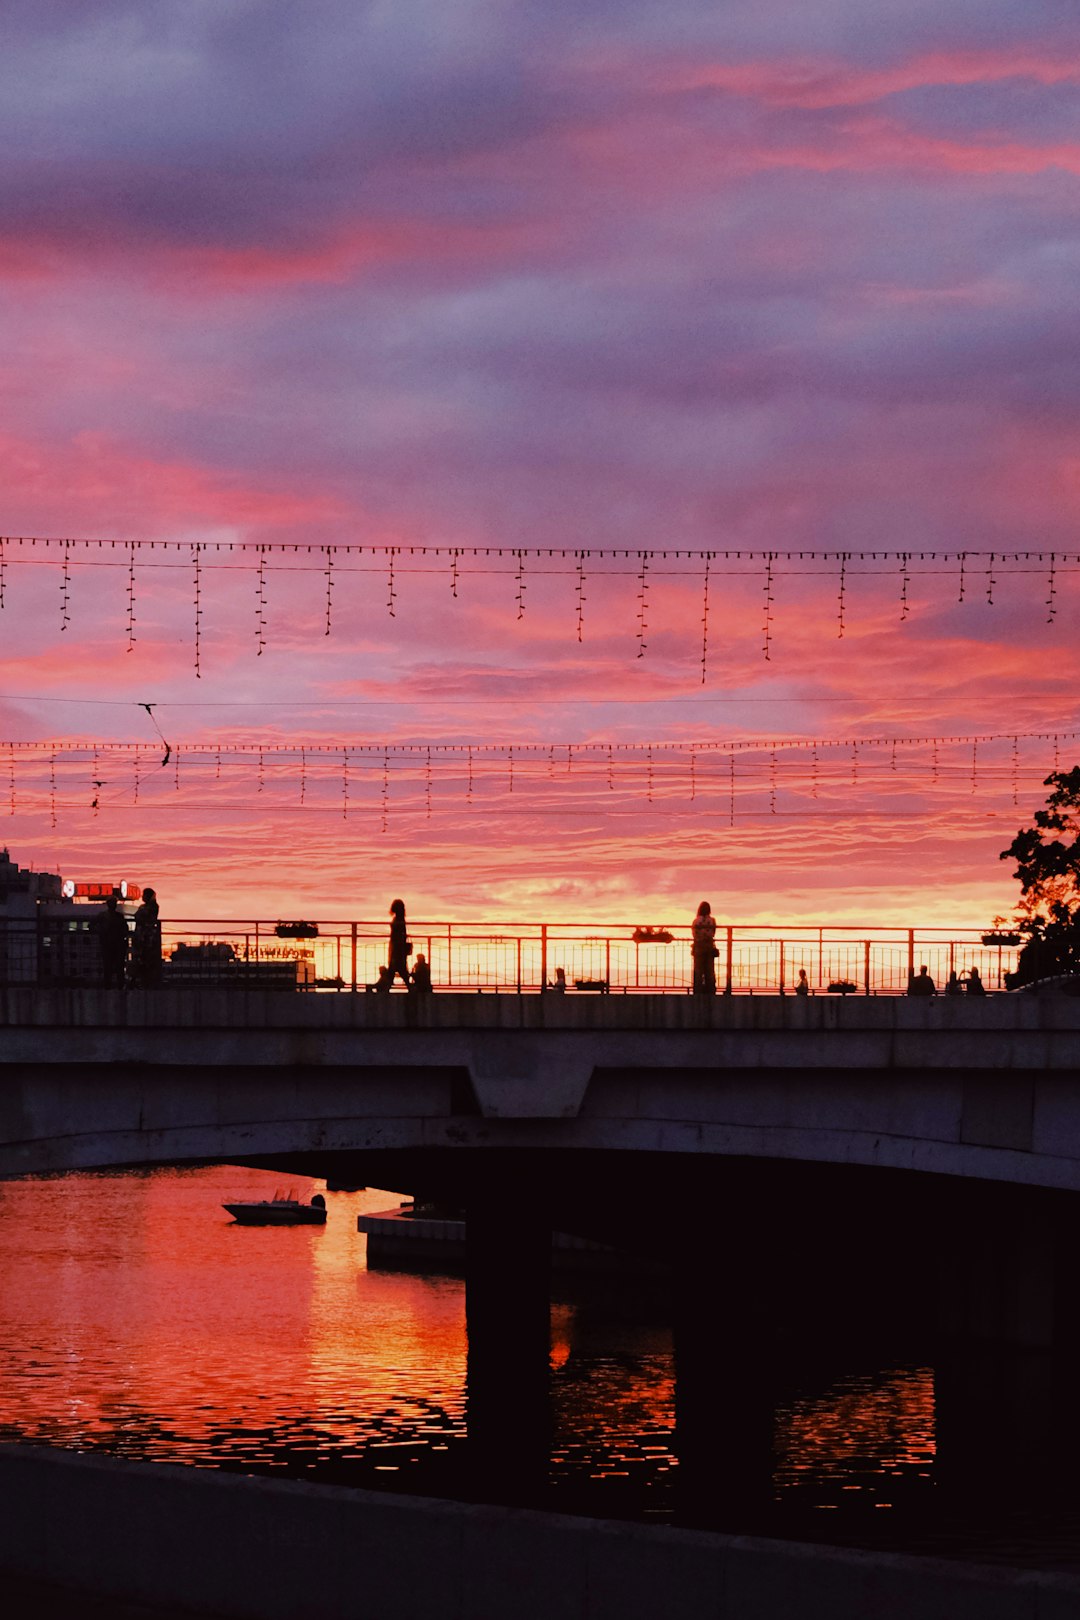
{"x":974,"y":985}
{"x":922,"y":984}
{"x":421,"y":973}
{"x":559,"y":984}
{"x":953,"y":987}
{"x":802,"y":984}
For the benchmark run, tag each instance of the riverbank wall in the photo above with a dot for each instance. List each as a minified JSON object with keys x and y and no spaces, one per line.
{"x":252,"y":1548}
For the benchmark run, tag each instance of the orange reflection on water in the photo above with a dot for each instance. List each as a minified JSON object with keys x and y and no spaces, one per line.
{"x":138,"y":1315}
{"x":135,"y":1317}
{"x":868,"y":1434}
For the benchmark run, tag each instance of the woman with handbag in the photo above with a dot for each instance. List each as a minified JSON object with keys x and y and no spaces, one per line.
{"x":400,"y":949}
{"x":704,"y":950}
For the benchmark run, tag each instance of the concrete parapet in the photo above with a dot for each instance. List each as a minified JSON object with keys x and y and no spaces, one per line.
{"x":258,"y":1549}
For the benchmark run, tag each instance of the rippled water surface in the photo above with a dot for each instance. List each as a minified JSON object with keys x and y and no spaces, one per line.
{"x":137,"y":1318}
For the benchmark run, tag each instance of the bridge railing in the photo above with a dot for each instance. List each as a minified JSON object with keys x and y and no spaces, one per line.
{"x":347,"y":955}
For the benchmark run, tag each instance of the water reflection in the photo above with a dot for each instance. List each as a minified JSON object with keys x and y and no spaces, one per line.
{"x":138,"y":1319}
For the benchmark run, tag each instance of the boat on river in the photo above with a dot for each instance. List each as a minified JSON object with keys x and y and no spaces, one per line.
{"x":284,"y":1209}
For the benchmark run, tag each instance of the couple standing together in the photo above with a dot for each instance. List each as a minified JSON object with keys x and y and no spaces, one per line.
{"x":704,"y":949}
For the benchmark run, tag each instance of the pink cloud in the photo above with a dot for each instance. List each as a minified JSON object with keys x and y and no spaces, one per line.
{"x":819,"y":84}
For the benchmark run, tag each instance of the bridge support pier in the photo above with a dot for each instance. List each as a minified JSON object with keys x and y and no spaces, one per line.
{"x":1007,"y":1379}
{"x":725,"y":1331}
{"x":508,"y":1323}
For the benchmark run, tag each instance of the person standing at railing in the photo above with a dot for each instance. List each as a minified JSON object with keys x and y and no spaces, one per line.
{"x":146,"y":945}
{"x":704,"y":950}
{"x":111,"y":929}
{"x":397,"y":965}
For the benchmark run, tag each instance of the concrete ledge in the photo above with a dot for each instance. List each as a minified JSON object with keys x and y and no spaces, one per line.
{"x":264,"y":1549}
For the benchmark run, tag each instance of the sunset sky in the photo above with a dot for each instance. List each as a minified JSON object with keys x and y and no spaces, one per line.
{"x":589,"y":277}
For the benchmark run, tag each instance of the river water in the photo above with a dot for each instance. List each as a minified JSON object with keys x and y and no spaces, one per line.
{"x":137,"y":1318}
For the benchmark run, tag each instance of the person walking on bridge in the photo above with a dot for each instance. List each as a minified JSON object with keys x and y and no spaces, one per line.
{"x":397,"y":965}
{"x":704,"y":950}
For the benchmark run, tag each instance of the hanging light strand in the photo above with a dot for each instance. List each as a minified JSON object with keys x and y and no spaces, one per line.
{"x":1051,"y":598}
{"x":519,"y":594}
{"x":130,"y":625}
{"x":767,"y":626}
{"x":260,"y":605}
{"x":65,"y":588}
{"x":197,"y":584}
{"x":642,"y":603}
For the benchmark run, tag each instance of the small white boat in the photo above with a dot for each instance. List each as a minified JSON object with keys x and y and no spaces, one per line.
{"x":284,"y":1209}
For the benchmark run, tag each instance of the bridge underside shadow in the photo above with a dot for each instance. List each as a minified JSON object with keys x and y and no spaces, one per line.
{"x":773,"y":1270}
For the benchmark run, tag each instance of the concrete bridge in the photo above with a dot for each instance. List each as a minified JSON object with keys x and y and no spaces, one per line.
{"x":987,"y":1089}
{"x":802,"y":1164}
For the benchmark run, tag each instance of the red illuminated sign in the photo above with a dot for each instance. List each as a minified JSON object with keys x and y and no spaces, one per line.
{"x":101,"y":891}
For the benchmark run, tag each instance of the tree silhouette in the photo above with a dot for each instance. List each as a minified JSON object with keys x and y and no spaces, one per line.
{"x":1048,"y":871}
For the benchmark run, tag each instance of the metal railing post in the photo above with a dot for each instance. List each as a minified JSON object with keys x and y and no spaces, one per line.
{"x":352,"y":976}
{"x":543,"y":956}
{"x":730,"y":955}
{"x":781,"y":967}
{"x":910,"y":956}
{"x":866,"y":966}
{"x":449,"y":954}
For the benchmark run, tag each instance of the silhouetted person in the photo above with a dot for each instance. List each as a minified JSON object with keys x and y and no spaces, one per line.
{"x":974,"y":986}
{"x":111,"y":929}
{"x":802,"y":986}
{"x":953,"y":987}
{"x":922,"y":984}
{"x":704,"y":950}
{"x":397,"y":965}
{"x":421,"y":973}
{"x":559,"y":985}
{"x":146,"y":944}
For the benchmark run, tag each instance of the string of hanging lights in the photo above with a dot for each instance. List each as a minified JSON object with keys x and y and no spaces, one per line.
{"x":696,"y":566}
{"x":751,"y":774}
